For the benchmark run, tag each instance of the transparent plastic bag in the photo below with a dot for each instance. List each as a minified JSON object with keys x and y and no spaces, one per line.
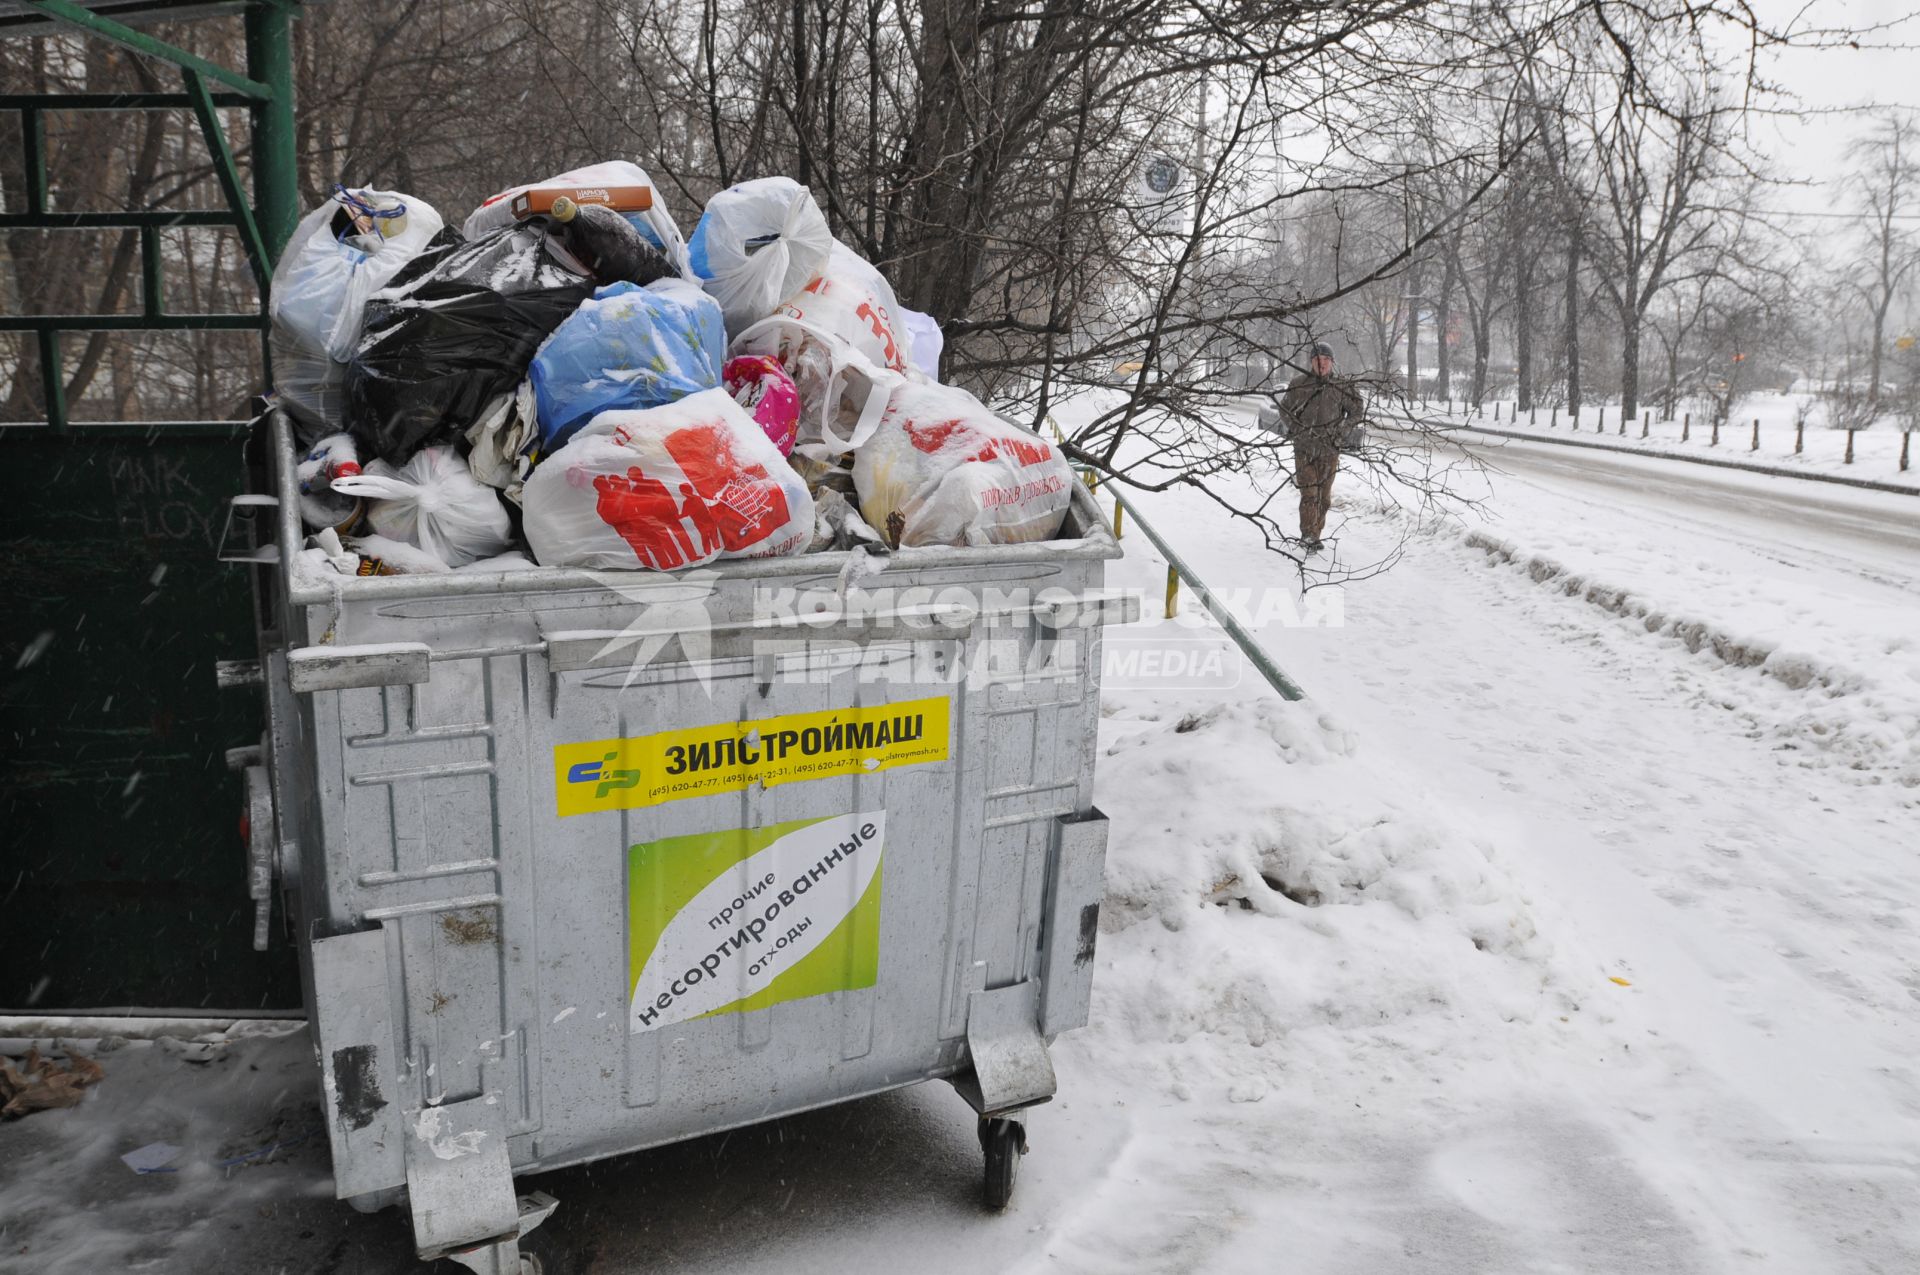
{"x":434,"y":503}
{"x":340,"y":254}
{"x":758,"y":243}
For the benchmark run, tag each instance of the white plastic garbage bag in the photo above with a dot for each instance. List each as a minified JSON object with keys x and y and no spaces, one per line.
{"x":842,"y":392}
{"x":434,"y":503}
{"x":927,"y":341}
{"x":942,"y":469}
{"x":664,"y":488}
{"x":656,"y":224}
{"x":758,"y":243}
{"x":340,"y":254}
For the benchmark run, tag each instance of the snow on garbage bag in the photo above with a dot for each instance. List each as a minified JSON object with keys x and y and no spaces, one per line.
{"x":944,"y":470}
{"x":340,"y":254}
{"x":615,"y":183}
{"x":759,"y":384}
{"x":453,"y":332}
{"x":433,"y":503}
{"x":758,"y":243}
{"x":625,"y":348}
{"x":664,"y":488}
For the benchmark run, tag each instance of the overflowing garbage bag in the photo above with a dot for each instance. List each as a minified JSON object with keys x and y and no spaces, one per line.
{"x":453,"y":332}
{"x":561,"y":383}
{"x":626,"y":347}
{"x":340,"y":254}
{"x":665,"y":488}
{"x":758,"y":243}
{"x":942,"y":469}
{"x":434,"y":504}
{"x":617,"y":184}
{"x":840,"y":340}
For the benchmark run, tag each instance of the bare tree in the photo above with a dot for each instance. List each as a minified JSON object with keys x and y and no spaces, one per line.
{"x":1886,"y":179}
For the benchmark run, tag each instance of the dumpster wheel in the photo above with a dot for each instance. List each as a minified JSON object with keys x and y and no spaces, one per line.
{"x":1004,"y":1140}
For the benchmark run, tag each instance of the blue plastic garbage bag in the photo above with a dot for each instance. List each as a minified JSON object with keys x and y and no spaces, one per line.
{"x":626,"y":347}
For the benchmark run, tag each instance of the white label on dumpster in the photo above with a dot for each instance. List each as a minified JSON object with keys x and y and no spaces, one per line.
{"x":724,"y":922}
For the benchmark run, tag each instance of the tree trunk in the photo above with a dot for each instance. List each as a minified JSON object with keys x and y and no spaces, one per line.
{"x":1572,"y":318}
{"x":1873,"y":359}
{"x":1442,"y":355}
{"x":1523,"y":331}
{"x":1413,"y":333}
{"x":1629,"y":364}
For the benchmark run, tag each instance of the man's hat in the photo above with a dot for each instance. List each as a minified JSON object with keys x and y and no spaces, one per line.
{"x":1321,"y":350}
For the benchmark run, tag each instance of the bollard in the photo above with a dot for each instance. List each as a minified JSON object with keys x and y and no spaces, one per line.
{"x":1600,"y":421}
{"x":1533,"y":415}
{"x":1715,"y":440}
{"x":1496,"y":413}
{"x":1799,"y":434}
{"x":1849,"y":459}
{"x":1623,"y":422}
{"x":1554,"y":417}
{"x":1906,"y":437}
{"x":1756,"y":435}
{"x":1119,"y":518}
{"x":1686,"y":426}
{"x":1643,"y":424}
{"x":1173,"y":593}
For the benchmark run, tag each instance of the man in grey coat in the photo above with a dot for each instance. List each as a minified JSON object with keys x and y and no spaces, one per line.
{"x":1322,"y":415}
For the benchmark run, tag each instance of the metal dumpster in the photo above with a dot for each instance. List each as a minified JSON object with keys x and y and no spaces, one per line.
{"x":579,"y":863}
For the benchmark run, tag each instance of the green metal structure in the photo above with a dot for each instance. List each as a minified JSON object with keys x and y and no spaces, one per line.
{"x":122,"y":872}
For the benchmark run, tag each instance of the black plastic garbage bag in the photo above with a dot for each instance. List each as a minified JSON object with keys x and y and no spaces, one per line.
{"x":453,"y":331}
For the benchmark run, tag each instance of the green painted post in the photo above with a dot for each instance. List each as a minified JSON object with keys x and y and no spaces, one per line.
{"x":229,"y":177}
{"x":52,"y":379}
{"x":33,"y":135}
{"x":276,"y":190}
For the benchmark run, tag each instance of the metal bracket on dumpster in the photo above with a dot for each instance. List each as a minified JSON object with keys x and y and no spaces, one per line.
{"x":459,"y":1177}
{"x":339,"y":668}
{"x":1011,"y":1069}
{"x":1078,"y":881}
{"x":262,"y":847}
{"x":353,"y":1026}
{"x":498,"y":1257}
{"x":268,"y":552}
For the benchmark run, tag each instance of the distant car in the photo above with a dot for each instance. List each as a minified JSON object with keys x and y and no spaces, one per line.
{"x":1124,"y":372}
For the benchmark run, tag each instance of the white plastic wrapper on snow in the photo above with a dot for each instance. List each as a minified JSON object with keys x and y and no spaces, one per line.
{"x":320,"y":291}
{"x":434,"y":503}
{"x":664,"y":488}
{"x":758,"y":243}
{"x":656,"y":224}
{"x":941,"y":469}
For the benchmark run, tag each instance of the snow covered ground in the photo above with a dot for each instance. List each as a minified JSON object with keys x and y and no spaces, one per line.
{"x":1569,"y":925}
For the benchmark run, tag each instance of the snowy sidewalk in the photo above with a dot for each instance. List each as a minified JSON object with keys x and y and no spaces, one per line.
{"x":1535,"y":940}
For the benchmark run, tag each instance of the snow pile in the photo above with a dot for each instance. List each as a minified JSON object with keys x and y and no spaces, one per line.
{"x":1832,"y":681}
{"x":1264,"y":881}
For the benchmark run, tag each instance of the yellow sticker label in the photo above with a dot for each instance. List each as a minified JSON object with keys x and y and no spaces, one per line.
{"x":646,"y":770}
